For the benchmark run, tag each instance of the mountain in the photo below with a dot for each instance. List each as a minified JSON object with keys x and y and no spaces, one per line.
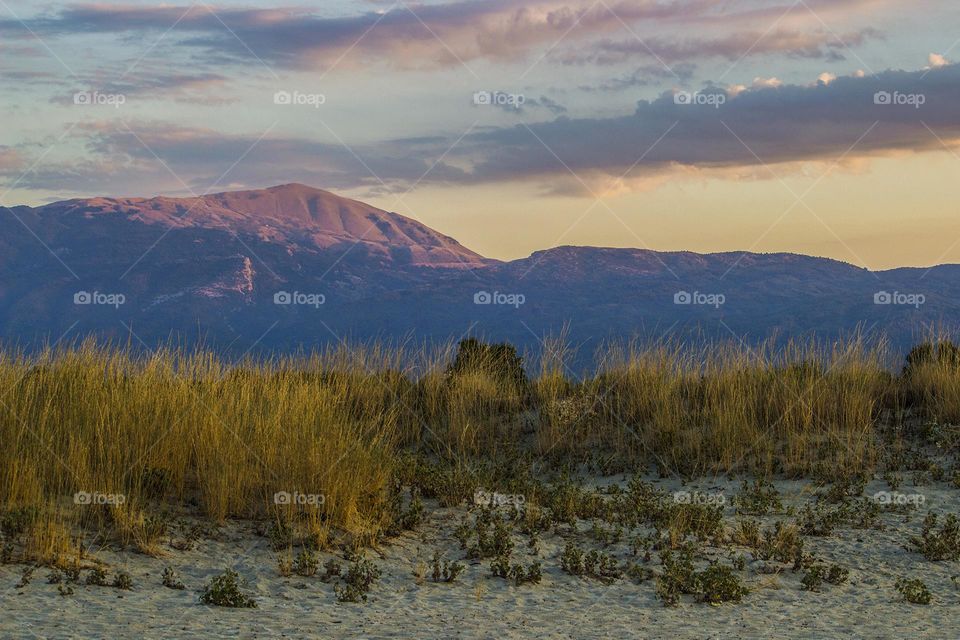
{"x":293,"y":216}
{"x":292,"y":266}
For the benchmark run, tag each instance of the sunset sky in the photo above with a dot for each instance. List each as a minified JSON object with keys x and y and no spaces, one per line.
{"x":824,"y":127}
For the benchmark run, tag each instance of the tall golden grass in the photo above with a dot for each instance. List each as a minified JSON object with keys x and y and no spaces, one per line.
{"x":187,"y":429}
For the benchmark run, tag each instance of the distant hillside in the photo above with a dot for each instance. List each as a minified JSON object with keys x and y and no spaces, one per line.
{"x":292,"y":266}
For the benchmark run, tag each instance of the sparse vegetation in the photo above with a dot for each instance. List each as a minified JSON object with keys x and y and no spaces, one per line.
{"x":358,"y":580}
{"x":444,"y":570}
{"x":914,"y":591}
{"x":306,"y":563}
{"x":406,"y":435}
{"x":122,"y":581}
{"x":937,"y":545}
{"x":224,"y":591}
{"x":171,"y":580}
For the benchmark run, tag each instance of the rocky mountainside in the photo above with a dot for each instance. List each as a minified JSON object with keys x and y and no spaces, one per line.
{"x":292,"y":266}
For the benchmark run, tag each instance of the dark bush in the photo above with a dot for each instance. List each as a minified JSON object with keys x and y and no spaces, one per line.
{"x":945,"y":353}
{"x":498,"y":360}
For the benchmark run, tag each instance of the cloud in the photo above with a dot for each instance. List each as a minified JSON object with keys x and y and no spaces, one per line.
{"x":139,"y":157}
{"x":756,"y":127}
{"x":935,"y":60}
{"x":12,"y":161}
{"x":645,"y":76}
{"x":202,"y":88}
{"x":753,"y":130}
{"x":447,"y":34}
{"x":818,"y":44}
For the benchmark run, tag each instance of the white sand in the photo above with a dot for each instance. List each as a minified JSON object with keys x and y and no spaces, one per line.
{"x":562,"y":606}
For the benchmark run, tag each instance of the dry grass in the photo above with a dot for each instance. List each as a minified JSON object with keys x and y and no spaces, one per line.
{"x":803,"y":408}
{"x":177,"y":430}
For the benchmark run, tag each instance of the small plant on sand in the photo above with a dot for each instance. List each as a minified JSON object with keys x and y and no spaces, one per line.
{"x":490,"y":544}
{"x":54,"y":577}
{"x":306,"y":563}
{"x":516,"y":573}
{"x":747,"y":533}
{"x":606,"y":535}
{"x":598,"y":565}
{"x":331,"y":570}
{"x":444,"y":570}
{"x":819,"y":520}
{"x":281,"y":537}
{"x":122,"y":581}
{"x":601,"y":566}
{"x":571,"y":560}
{"x":937,"y":545}
{"x":357,"y":581}
{"x":914,"y":591}
{"x":97,"y":577}
{"x":757,"y":499}
{"x":64,"y":589}
{"x":782,"y":543}
{"x":25,"y":576}
{"x":171,"y":580}
{"x":224,"y":591}
{"x":813,"y":578}
{"x":677,"y":576}
{"x":285,"y":564}
{"x":406,"y":518}
{"x":71,"y":573}
{"x":638,"y":573}
{"x":837,"y":574}
{"x":718,"y":583}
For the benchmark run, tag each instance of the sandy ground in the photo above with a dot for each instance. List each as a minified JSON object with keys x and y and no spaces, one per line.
{"x":481,"y":606}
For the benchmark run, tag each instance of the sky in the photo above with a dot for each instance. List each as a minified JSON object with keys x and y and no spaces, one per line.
{"x":823,"y":127}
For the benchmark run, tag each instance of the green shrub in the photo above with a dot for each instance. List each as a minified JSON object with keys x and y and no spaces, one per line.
{"x":718,"y":583}
{"x":758,"y":499}
{"x":357,"y":581}
{"x":224,"y":591}
{"x":571,"y":560}
{"x":938,"y":545}
{"x":914,"y":591}
{"x":677,"y":577}
{"x":306,"y":564}
{"x":516,"y":573}
{"x":171,"y":580}
{"x":97,"y":577}
{"x":444,"y":570}
{"x":331,"y":570}
{"x":122,"y":581}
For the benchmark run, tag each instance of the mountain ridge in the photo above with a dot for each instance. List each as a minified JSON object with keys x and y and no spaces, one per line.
{"x":234,"y":266}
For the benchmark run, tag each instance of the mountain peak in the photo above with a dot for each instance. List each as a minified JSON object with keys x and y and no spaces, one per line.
{"x":294,"y":215}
